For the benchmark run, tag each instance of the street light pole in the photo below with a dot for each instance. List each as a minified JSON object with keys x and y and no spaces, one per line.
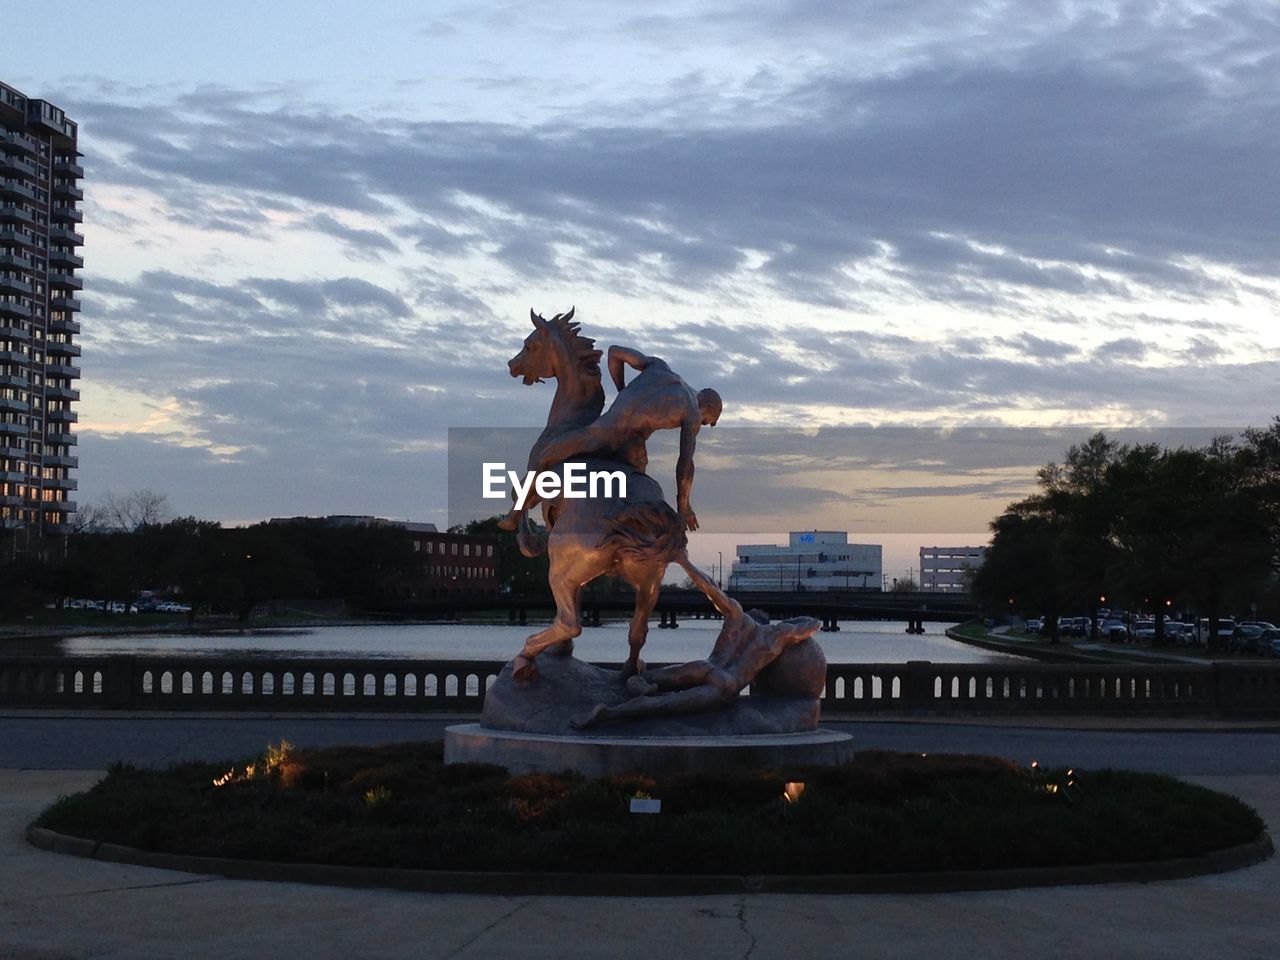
{"x":720,"y":581}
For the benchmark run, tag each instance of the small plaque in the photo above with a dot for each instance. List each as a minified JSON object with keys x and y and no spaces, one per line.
{"x":639,"y":805}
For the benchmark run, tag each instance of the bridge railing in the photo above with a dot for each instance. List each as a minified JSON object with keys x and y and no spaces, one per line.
{"x":321,"y":684}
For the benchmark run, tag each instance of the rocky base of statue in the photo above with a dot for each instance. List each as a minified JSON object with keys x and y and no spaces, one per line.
{"x":568,"y":697}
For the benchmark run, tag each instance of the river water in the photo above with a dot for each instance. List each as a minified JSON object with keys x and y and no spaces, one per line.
{"x":857,"y":642}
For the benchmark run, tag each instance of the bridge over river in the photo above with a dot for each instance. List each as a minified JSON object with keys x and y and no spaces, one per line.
{"x":829,"y":606}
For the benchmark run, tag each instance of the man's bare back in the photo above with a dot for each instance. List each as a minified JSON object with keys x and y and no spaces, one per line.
{"x":656,"y":399}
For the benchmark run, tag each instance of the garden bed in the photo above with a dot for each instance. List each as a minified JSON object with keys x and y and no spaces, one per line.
{"x":399,"y":806}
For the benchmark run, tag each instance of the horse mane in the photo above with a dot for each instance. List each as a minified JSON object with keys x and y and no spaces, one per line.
{"x":581,"y":348}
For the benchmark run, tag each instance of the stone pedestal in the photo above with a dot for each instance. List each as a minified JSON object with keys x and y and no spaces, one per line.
{"x":596,"y":756}
{"x":528,"y":728}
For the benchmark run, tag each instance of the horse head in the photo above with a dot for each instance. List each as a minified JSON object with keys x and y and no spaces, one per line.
{"x":539,"y":359}
{"x":556,"y":349}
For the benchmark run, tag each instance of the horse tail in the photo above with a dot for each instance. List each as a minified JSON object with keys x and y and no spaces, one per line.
{"x":647,"y":531}
{"x":531,"y":541}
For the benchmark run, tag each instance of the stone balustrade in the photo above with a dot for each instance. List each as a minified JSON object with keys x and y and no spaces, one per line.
{"x":320,"y":684}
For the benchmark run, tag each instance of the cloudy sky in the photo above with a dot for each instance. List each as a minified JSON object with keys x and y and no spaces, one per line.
{"x":314,"y":231}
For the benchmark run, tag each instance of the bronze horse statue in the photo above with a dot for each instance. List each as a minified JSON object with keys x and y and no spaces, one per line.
{"x":634,"y":537}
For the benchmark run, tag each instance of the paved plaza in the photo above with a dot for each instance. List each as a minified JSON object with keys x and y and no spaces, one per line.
{"x":53,"y":906}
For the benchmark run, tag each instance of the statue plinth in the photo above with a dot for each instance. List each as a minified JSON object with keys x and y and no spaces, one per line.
{"x":567,"y":688}
{"x":597,"y":755}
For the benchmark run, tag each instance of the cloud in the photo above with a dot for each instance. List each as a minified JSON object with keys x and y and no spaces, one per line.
{"x":1036,"y":172}
{"x":938,"y":213}
{"x":362,"y":244}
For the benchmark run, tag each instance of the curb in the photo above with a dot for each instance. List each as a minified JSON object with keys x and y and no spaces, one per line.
{"x":654,"y":885}
{"x":1048,"y":656}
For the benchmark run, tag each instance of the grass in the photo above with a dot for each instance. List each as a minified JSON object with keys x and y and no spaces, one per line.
{"x":401,"y":806}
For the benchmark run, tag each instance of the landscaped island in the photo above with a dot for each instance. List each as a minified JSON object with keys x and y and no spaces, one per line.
{"x":401,"y":806}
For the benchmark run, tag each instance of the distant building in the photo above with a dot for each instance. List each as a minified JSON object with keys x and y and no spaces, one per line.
{"x":39,"y":196}
{"x":812,"y":560}
{"x":455,"y":564}
{"x":452,"y":564}
{"x":949,"y":569}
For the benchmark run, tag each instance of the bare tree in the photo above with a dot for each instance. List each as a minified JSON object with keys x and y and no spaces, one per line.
{"x":126,"y":513}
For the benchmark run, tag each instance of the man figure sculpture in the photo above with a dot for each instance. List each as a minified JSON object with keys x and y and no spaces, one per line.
{"x":656,"y":399}
{"x":745,"y":646}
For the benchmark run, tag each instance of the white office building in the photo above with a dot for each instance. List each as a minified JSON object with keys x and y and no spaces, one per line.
{"x":948,"y":569}
{"x":812,"y":560}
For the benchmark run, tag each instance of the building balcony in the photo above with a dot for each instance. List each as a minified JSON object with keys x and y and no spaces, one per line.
{"x":12,"y":213}
{"x":68,"y":168}
{"x":64,"y":303}
{"x":66,"y":215}
{"x":60,"y":460}
{"x":67,"y":280}
{"x":13,"y":142}
{"x":60,"y":483}
{"x":65,"y":235}
{"x":68,"y":439}
{"x":62,"y":416}
{"x":62,"y":370}
{"x":66,"y":258}
{"x":16,"y":285}
{"x":14,"y":429}
{"x":7,"y":449}
{"x":19,"y":261}
{"x":11,"y":234}
{"x":15,"y":165}
{"x":16,"y":190}
{"x":61,"y":393}
{"x":64,"y":326}
{"x":14,"y":406}
{"x":14,"y":380}
{"x":61,"y":506}
{"x":9,"y":500}
{"x":68,"y":190}
{"x":9,"y":331}
{"x":11,"y":308}
{"x":12,"y":476}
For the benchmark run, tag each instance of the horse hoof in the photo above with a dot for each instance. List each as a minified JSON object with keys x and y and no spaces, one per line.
{"x":632,"y":667}
{"x":524,"y":670}
{"x":562,"y":649}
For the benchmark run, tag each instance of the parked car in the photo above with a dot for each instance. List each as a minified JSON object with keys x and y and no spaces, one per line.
{"x":1226,"y":625}
{"x":1143,"y":630}
{"x":1183,"y":634}
{"x":1271,"y":642}
{"x":1114,"y":630}
{"x":1074,"y":626}
{"x":1035,"y":626}
{"x":1245,"y":639}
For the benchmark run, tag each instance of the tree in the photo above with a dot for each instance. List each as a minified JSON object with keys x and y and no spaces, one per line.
{"x":1021,"y":571}
{"x":125,"y":513}
{"x":516,"y":572}
{"x":1079,"y":494}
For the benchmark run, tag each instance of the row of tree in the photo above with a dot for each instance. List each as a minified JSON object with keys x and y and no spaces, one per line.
{"x":124,"y":546}
{"x":1162,"y":529}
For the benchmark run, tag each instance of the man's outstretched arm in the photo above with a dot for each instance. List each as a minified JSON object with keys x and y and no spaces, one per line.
{"x":684,"y":473}
{"x":622,"y":357}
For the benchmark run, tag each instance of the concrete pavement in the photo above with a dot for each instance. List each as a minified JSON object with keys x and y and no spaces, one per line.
{"x":54,"y":906}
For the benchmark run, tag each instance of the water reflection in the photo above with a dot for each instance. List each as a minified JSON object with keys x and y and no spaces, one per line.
{"x":859,"y":642}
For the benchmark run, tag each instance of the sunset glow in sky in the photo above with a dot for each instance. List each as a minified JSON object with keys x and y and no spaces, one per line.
{"x":314,"y":233}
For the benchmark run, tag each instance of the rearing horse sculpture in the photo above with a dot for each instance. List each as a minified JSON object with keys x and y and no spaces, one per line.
{"x":634,"y":537}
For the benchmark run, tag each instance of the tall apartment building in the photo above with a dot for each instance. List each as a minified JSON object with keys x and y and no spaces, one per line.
{"x":39,"y":197}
